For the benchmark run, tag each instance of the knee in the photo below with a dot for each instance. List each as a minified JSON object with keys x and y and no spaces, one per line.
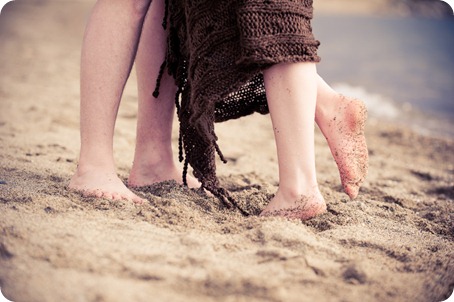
{"x":136,"y":8}
{"x":139,"y":8}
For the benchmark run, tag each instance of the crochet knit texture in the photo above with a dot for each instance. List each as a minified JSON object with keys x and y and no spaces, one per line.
{"x":217,"y":50}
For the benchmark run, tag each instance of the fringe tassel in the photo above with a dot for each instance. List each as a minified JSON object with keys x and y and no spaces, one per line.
{"x":224,"y":196}
{"x":180,"y":133}
{"x":219,"y":152}
{"x":177,"y":100}
{"x":221,"y":193}
{"x":185,"y":172}
{"x":158,"y":80}
{"x":166,"y":14}
{"x":233,"y":202}
{"x":180,"y":146}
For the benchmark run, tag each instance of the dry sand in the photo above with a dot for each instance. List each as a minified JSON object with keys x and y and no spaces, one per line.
{"x":393,"y":243}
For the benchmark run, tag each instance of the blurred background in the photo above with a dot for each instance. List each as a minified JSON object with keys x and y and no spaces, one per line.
{"x":398,"y":55}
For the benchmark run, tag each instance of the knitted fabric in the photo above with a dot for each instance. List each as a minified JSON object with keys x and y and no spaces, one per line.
{"x":217,"y":50}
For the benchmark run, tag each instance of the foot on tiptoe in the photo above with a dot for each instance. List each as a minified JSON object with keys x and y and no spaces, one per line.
{"x":343,"y":128}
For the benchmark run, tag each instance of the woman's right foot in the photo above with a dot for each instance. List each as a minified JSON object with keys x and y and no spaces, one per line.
{"x":343,"y":127}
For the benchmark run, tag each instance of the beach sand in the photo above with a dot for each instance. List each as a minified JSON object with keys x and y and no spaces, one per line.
{"x":393,"y":243}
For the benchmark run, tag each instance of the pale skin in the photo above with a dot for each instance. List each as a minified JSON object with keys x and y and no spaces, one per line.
{"x":111,"y":44}
{"x":291,"y":90}
{"x":296,"y":96}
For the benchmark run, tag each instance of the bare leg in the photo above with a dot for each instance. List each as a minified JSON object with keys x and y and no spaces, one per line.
{"x":108,"y":52}
{"x":153,"y":158}
{"x":342,"y":121}
{"x":291,"y":92}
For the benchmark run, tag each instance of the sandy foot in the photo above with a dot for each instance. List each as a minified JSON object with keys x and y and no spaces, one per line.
{"x":304,"y":208}
{"x":102,"y":185}
{"x":344,"y":132}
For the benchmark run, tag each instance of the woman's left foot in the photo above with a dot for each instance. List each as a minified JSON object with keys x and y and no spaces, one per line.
{"x":343,"y":128}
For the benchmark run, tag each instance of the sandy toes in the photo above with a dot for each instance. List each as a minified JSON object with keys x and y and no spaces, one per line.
{"x":108,"y":185}
{"x":345,"y":135}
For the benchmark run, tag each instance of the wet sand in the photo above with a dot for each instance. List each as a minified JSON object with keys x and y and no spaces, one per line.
{"x":394,"y":242}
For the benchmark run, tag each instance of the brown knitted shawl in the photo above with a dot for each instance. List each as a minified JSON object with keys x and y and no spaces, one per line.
{"x":216,"y":52}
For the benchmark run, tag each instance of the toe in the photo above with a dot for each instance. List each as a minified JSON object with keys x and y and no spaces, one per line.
{"x":352,"y":190}
{"x":97,"y":194}
{"x":106,"y":195}
{"x":138,"y":200}
{"x":117,"y":196}
{"x":85,"y":193}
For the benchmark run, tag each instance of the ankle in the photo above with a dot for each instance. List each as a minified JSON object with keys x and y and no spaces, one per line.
{"x":295,"y":193}
{"x":85,"y":167}
{"x":153,"y":169}
{"x":327,"y":106}
{"x":96,"y":159}
{"x":153,"y":160}
{"x":153,"y":151}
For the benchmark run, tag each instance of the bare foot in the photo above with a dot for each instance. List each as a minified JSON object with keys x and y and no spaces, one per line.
{"x":142,"y":176}
{"x":343,"y":128}
{"x":102,"y":184}
{"x":305,"y":207}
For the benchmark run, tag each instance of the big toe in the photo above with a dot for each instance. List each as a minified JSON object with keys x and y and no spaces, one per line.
{"x":352,"y":190}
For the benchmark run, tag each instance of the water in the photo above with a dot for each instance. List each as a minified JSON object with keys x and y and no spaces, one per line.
{"x":406,"y":65}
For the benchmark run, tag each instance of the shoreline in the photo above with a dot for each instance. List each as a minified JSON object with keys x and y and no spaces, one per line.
{"x":402,"y":115}
{"x":413,"y":75}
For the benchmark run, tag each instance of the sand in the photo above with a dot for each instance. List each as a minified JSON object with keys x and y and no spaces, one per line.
{"x":393,"y":243}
